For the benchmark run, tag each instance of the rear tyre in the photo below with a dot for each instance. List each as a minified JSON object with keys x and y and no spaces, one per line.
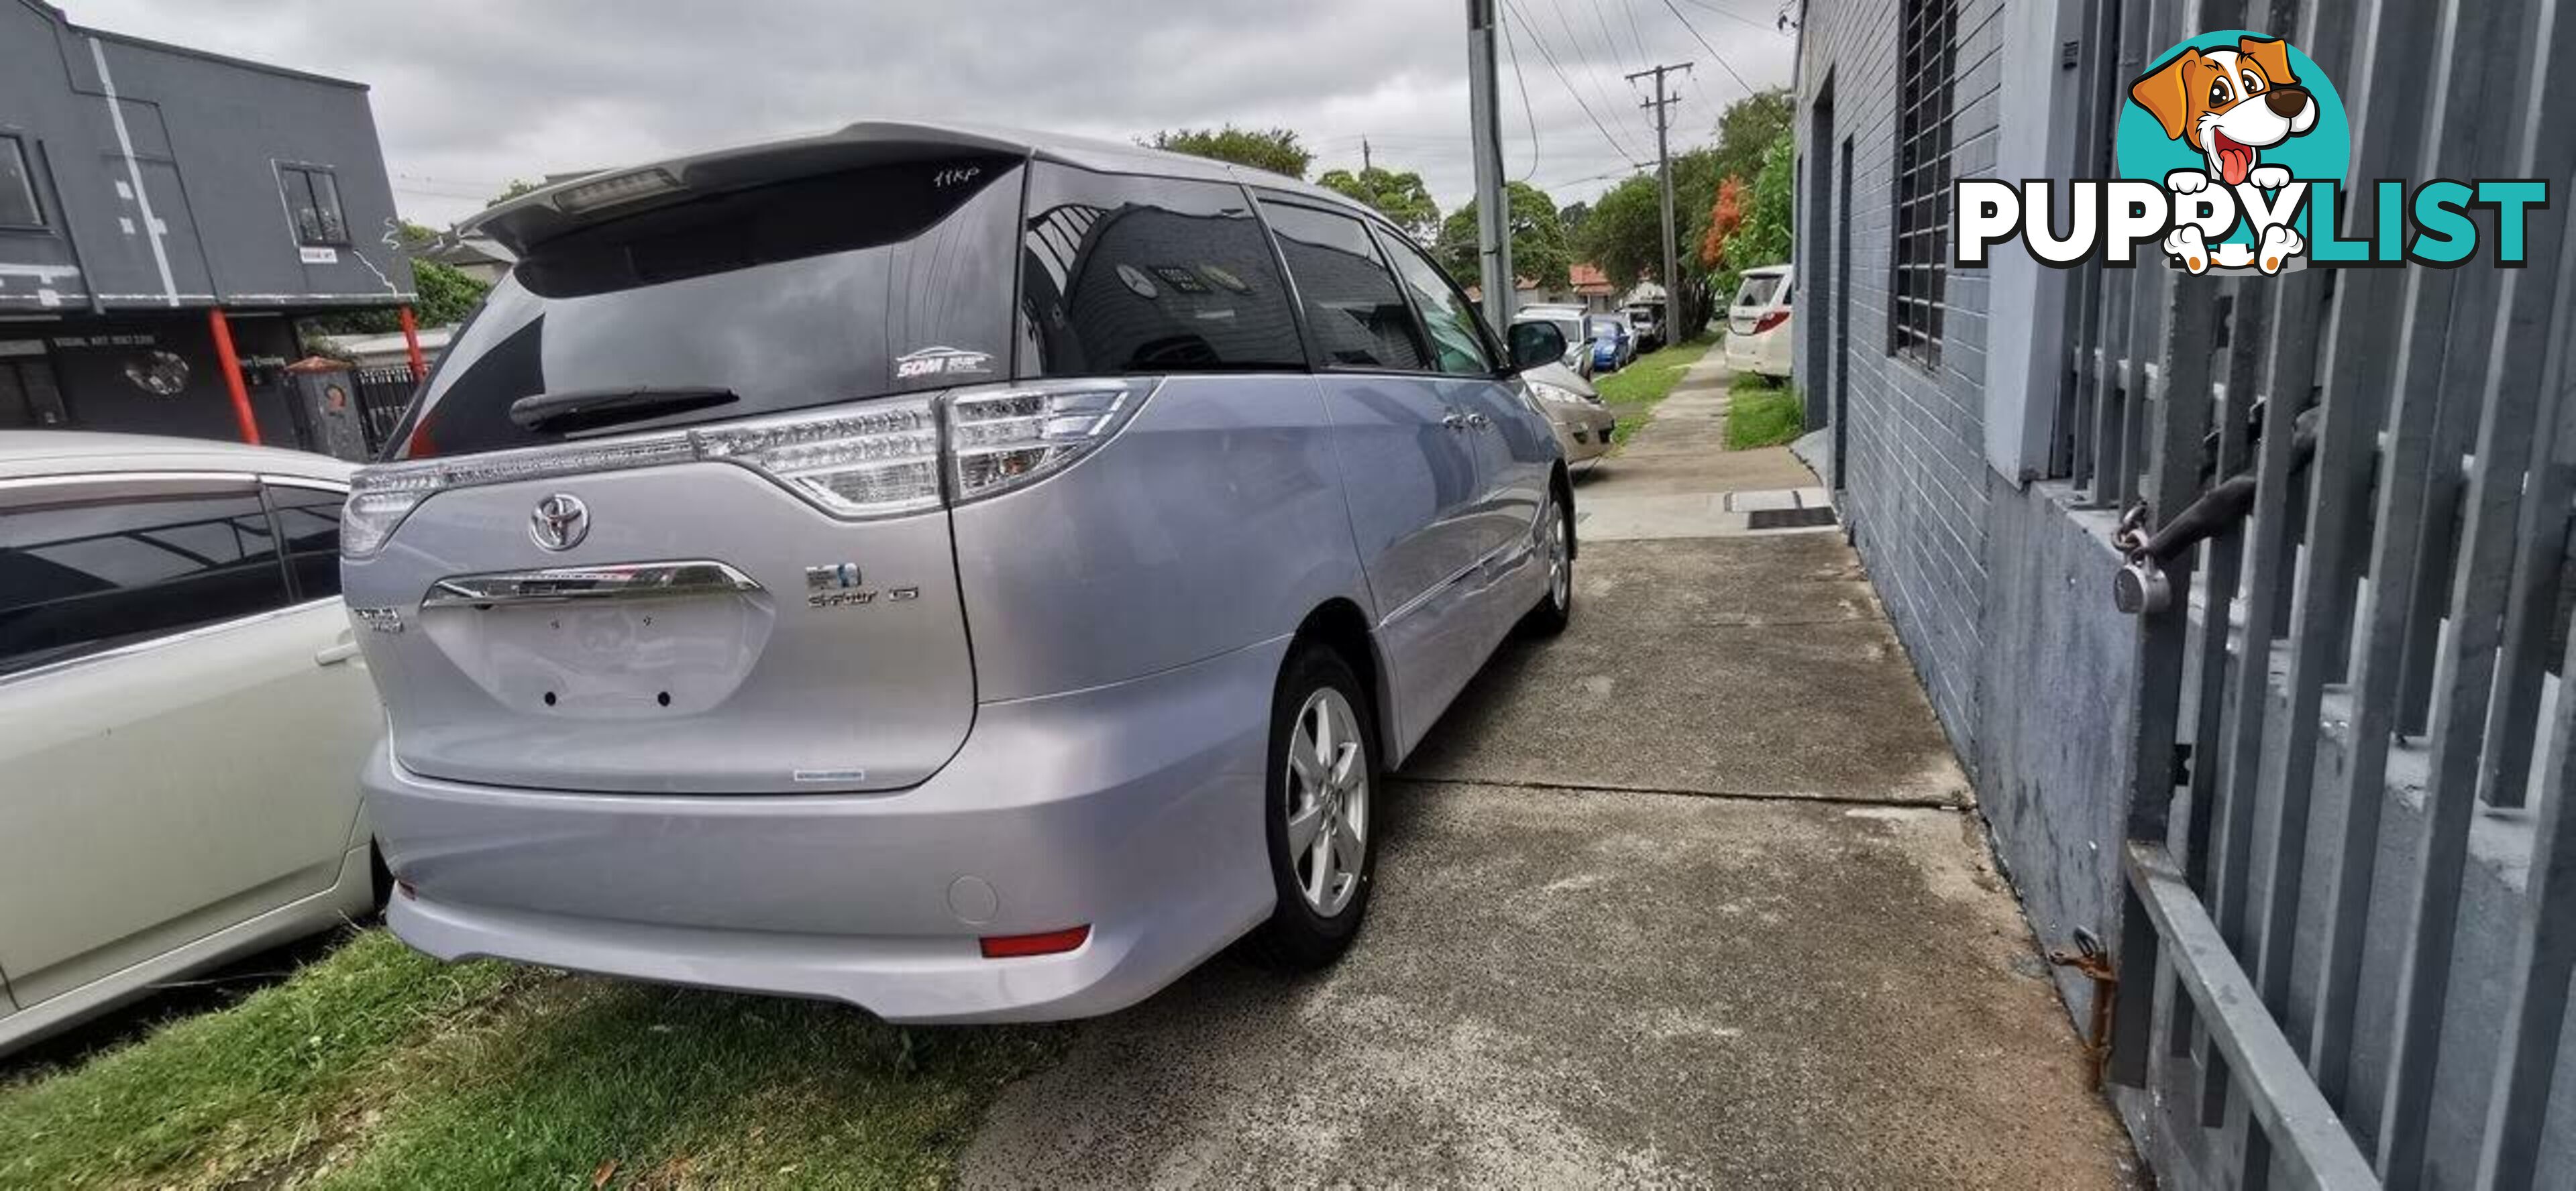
{"x":1323,"y":837}
{"x":1555,"y":608}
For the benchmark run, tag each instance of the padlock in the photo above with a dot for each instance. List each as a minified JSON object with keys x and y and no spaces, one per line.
{"x":2141,"y":589}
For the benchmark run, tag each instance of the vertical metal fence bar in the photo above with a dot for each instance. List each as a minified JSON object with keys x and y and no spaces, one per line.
{"x":2371,"y":347}
{"x":2246,"y":321}
{"x":2439,"y":552}
{"x":2084,"y":289}
{"x":2512,"y":435}
{"x":2532,"y":605}
{"x":2545,"y":952}
{"x":2183,"y":335}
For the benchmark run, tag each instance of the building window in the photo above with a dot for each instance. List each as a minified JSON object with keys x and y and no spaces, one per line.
{"x":1920,"y":261}
{"x":17,"y":187}
{"x":313,"y":199}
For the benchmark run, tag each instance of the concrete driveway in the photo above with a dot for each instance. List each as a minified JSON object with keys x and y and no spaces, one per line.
{"x":1693,"y":894}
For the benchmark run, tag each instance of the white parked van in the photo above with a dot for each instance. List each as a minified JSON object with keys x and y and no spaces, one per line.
{"x":1757,"y":324}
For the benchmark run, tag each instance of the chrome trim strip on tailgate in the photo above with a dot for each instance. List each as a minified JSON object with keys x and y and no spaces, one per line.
{"x":621,"y":581}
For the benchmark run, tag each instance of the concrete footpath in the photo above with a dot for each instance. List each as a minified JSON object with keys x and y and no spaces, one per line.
{"x":1692,"y":894}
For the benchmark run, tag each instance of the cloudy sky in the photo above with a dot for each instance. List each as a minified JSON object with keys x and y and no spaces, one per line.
{"x":471,"y":93}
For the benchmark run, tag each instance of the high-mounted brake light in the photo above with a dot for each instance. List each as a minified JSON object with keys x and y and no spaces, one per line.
{"x":614,"y":189}
{"x":876,"y":458}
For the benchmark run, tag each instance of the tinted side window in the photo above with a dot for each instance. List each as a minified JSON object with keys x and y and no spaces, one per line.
{"x":1126,"y":274}
{"x":1354,"y":308}
{"x":78,"y":578}
{"x":1457,"y":343}
{"x":308,"y":522}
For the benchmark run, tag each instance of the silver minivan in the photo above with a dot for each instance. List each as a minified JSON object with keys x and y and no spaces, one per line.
{"x":969,"y":575}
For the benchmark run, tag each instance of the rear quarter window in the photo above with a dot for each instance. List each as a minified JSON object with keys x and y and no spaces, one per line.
{"x":1124,"y":274}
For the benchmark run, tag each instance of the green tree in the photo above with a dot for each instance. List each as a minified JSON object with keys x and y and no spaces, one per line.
{"x":1572,"y":216}
{"x":1273,"y":149}
{"x":447,"y":295}
{"x":513,"y":189}
{"x":1764,"y":236}
{"x":1541,"y":251}
{"x":1623,"y":233}
{"x":1399,"y":196}
{"x":1747,"y":128}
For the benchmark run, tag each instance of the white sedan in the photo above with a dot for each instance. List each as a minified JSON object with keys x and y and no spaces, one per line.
{"x":183,"y":714}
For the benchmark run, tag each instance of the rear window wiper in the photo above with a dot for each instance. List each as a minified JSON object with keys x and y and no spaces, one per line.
{"x":575,"y":410}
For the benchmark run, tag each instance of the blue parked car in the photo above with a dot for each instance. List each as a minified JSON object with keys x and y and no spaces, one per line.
{"x":1613,"y":342}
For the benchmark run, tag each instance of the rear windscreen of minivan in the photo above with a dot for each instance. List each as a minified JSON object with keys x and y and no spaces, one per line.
{"x":871,"y":281}
{"x":1758,"y":289}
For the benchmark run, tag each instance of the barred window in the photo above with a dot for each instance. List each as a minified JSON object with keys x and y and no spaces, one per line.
{"x":1920,"y":261}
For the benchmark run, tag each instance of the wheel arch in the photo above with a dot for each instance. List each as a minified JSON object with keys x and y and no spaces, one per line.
{"x":1339,"y":624}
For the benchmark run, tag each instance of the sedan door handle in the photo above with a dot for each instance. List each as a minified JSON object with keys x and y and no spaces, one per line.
{"x":335,"y":653}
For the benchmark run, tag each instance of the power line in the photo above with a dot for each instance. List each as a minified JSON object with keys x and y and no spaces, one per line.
{"x":1712,"y":50}
{"x":1582,"y":57}
{"x":1765,"y":26}
{"x":1628,"y":8}
{"x":1601,"y":89}
{"x":1549,"y":57}
{"x":1512,"y":49}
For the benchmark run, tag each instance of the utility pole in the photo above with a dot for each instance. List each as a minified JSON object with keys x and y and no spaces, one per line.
{"x":1366,"y":163}
{"x":1493,"y":207}
{"x":1671,"y":276}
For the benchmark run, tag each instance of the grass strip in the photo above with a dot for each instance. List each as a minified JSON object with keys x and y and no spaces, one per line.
{"x":379,"y":1067}
{"x":1633,"y":392}
{"x":1762,"y":413}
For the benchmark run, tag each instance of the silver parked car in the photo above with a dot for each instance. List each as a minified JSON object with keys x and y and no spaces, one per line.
{"x":182,"y":716}
{"x":969,"y":575}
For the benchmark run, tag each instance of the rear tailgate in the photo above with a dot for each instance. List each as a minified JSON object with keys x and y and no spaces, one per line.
{"x":776,"y":648}
{"x":669,"y":517}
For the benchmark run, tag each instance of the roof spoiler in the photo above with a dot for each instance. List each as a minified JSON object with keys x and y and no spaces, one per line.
{"x":544,"y":214}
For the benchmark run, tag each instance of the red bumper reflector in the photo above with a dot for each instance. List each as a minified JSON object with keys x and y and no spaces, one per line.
{"x":1054,"y":942}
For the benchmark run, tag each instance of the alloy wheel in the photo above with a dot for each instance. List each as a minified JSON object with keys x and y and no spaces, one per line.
{"x":1560,"y":567}
{"x":1328,"y":801}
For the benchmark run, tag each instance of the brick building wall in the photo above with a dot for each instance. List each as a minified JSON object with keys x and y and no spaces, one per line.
{"x":1916,"y":484}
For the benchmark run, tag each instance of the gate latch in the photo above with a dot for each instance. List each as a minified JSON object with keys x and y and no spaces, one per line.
{"x":2093,"y":961}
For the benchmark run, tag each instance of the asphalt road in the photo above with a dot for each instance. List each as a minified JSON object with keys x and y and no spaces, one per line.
{"x":1693,"y":894}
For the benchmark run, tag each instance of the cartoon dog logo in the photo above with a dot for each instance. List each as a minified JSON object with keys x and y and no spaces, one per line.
{"x":2229,"y":105}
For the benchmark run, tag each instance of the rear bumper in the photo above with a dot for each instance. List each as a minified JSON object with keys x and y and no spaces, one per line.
{"x":1133,"y":808}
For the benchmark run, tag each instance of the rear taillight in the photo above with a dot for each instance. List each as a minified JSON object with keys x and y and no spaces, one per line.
{"x":1769,"y":320}
{"x":880,"y":459}
{"x":1003,"y":438}
{"x":876,"y":458}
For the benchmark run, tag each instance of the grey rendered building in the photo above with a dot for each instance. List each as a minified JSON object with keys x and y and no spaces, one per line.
{"x":2300,"y":803}
{"x":165,"y":211}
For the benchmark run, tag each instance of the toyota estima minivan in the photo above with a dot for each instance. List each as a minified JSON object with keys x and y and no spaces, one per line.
{"x":968,"y":575}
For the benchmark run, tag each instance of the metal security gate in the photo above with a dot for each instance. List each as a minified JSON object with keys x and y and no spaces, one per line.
{"x":384,"y":392}
{"x":2351,"y":490}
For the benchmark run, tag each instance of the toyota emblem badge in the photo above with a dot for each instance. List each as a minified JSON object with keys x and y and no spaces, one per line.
{"x":560,"y":522}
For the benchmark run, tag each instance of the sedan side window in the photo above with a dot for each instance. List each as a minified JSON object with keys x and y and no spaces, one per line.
{"x":1457,"y":338}
{"x":80,"y":578}
{"x":1354,"y":307}
{"x":308,"y":525}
